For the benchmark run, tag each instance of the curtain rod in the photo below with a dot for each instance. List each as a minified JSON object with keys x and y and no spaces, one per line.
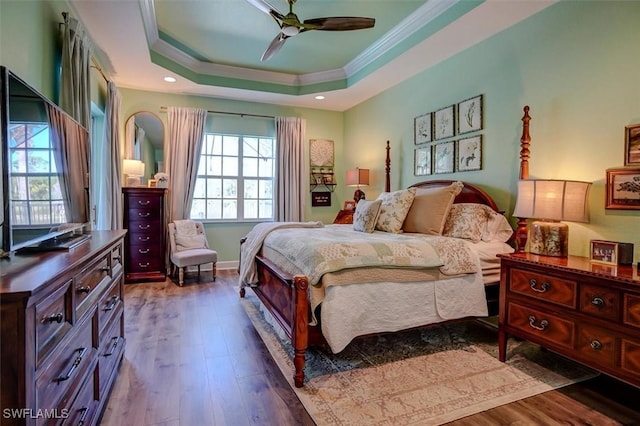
{"x":241,"y":114}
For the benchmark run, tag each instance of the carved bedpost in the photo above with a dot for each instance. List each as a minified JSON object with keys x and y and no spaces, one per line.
{"x":525,"y":141}
{"x":387,"y":170}
{"x":300,"y":332}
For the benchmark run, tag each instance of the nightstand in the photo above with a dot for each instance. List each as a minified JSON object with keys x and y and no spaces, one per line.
{"x":344,"y":217}
{"x":585,"y":311}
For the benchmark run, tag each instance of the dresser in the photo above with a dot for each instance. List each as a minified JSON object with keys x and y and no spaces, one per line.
{"x":586,"y":311}
{"x":62,"y":321}
{"x":144,"y":217}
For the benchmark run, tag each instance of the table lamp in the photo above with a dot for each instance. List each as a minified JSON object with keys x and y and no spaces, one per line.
{"x":551,"y":201}
{"x":356,"y":178}
{"x":134,"y":170}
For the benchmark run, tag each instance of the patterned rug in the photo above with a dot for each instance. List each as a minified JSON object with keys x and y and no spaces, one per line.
{"x":418,"y":377}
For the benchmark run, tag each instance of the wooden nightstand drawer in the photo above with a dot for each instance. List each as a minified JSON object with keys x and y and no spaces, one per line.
{"x":630,"y":360}
{"x":544,"y":287}
{"x":542,"y":325}
{"x":598,"y":345}
{"x":631,"y":310}
{"x":600,"y":301}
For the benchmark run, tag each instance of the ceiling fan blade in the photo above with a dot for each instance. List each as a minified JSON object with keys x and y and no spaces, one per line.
{"x":274,"y":46}
{"x":268,"y":9}
{"x":339,"y":23}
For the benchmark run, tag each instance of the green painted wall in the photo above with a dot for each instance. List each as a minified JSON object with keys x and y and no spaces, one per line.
{"x":575,"y":64}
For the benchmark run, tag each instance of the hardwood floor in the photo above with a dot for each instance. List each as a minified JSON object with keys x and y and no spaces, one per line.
{"x":194,"y":358}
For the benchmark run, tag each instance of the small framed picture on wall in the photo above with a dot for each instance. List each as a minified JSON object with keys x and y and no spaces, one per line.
{"x":444,"y":157}
{"x":422,"y":161}
{"x":423,"y":129}
{"x":469,"y":115}
{"x":444,"y":122}
{"x":469,"y":153}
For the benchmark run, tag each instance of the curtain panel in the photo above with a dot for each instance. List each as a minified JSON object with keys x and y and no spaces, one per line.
{"x":290,"y":169}
{"x":76,"y":81}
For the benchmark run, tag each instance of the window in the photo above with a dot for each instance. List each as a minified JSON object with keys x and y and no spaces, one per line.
{"x":35,"y":188}
{"x":235,"y":178}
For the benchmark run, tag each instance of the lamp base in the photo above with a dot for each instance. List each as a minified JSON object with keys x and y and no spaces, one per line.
{"x":358,"y":195}
{"x":133,"y":181}
{"x":549,"y":238}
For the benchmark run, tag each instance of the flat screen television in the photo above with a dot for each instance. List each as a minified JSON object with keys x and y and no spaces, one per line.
{"x":45,"y":170}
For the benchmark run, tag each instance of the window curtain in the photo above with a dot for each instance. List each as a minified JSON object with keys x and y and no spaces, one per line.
{"x":185,"y":128}
{"x":70,"y":153}
{"x":129,"y":139}
{"x":76,"y":83}
{"x":108,"y":198}
{"x":290,"y":170}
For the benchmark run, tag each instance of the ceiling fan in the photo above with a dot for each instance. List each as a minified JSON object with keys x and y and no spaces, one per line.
{"x":290,"y":25}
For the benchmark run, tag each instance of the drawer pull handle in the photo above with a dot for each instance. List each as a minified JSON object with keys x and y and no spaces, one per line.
{"x":597,"y":301}
{"x":114,"y":345}
{"x":112,"y":303}
{"x":105,"y":269}
{"x":76,"y":363}
{"x":117,"y":259}
{"x":595,"y":345}
{"x":144,"y":226}
{"x":143,"y":238}
{"x":534,"y":286}
{"x":143,"y":265}
{"x":145,"y":214}
{"x":58,"y":317}
{"x":83,"y":417}
{"x":143,"y":251}
{"x":84,"y":289}
{"x":543,"y":324}
{"x":143,"y":202}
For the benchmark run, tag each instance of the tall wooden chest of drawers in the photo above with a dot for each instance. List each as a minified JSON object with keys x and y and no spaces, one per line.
{"x":585,"y":311}
{"x":62,"y":321}
{"x":144,"y":218}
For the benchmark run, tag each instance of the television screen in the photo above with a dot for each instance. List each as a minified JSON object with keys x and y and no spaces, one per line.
{"x":45,"y":168}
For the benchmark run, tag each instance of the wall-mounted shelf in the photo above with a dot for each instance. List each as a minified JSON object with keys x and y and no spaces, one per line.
{"x":322,"y":178}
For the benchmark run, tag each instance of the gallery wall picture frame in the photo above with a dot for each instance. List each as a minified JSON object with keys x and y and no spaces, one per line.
{"x":632,"y":145}
{"x":469,"y":115}
{"x":623,"y":189}
{"x":349,"y":205}
{"x":469,"y":153}
{"x":320,"y":199}
{"x":423,"y":129}
{"x":443,"y":122}
{"x":422,"y":161}
{"x":321,"y":152}
{"x":444,"y":157}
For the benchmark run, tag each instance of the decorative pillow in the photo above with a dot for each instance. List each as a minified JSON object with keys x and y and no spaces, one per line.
{"x":188,"y":242}
{"x":366,"y":215}
{"x":394,"y":208}
{"x":430,"y":209}
{"x":466,"y":220}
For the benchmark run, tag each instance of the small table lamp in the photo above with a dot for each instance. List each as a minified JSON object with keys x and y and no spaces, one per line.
{"x":551,"y":201}
{"x":356,"y":178}
{"x":134,"y":170}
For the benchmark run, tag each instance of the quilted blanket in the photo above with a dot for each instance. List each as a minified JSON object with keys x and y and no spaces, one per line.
{"x":315,"y":252}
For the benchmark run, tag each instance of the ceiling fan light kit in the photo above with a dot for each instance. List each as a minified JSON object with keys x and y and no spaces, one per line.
{"x":290,"y":25}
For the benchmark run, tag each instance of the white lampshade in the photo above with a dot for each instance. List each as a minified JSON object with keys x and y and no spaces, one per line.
{"x":133,"y":168}
{"x":552,"y":201}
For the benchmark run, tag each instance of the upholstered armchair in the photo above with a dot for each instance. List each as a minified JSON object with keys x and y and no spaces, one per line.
{"x":189,"y":247}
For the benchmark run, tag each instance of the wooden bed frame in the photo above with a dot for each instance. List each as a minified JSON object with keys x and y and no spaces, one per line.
{"x":286,"y":297}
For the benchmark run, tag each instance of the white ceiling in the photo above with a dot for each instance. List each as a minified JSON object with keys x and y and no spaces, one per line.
{"x":213,"y":47}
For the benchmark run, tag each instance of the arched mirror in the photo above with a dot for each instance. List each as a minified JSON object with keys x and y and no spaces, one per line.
{"x":144,"y":140}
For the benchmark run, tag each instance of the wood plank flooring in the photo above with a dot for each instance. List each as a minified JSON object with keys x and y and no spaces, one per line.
{"x":194,"y":358}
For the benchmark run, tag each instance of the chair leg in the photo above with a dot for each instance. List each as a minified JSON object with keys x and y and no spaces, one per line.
{"x":213,"y":269}
{"x":180,"y":276}
{"x":198,"y":272}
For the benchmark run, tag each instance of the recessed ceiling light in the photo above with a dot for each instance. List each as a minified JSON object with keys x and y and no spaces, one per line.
{"x":170,"y":79}
{"x":319,"y":97}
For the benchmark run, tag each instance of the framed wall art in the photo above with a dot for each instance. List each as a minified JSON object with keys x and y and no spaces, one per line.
{"x":422,"y":161}
{"x":623,"y":189}
{"x":469,"y":115}
{"x":423,"y":129}
{"x":320,"y":199}
{"x":443,"y":122}
{"x":321,"y":152}
{"x":469,"y":153}
{"x":444,"y":157}
{"x":632,"y":145}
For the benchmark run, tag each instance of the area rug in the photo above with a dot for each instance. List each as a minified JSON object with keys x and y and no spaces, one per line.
{"x":419,"y":377}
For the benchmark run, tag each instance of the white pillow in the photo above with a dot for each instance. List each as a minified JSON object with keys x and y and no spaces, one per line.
{"x":366,"y":215}
{"x":394,"y":209}
{"x":188,"y":242}
{"x":497,"y":228}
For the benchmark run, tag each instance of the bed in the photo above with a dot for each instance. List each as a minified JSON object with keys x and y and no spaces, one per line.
{"x":314,"y":303}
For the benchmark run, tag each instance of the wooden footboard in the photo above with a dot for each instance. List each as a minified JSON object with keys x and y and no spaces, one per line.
{"x":287,"y":299}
